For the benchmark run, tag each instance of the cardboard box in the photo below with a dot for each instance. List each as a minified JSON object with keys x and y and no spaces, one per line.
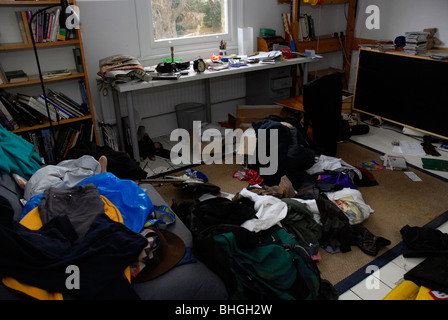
{"x":246,"y":114}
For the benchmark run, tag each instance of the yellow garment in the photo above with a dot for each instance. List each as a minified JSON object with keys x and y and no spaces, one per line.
{"x":33,"y":222}
{"x":408,"y":290}
{"x":424,"y":294}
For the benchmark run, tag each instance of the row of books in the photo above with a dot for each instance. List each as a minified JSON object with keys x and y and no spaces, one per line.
{"x":66,"y":137}
{"x":306,"y":27}
{"x":21,"y":109}
{"x":44,"y":27}
{"x":415,"y":42}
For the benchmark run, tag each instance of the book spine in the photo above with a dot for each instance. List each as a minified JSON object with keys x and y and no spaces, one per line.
{"x":45,"y":26}
{"x":5,"y":122}
{"x":47,"y":144}
{"x":61,"y":115}
{"x":28,"y":113}
{"x":21,"y":27}
{"x":50,"y":26}
{"x":62,"y":110}
{"x":70,"y":143}
{"x":78,"y":60}
{"x":16,"y":113}
{"x":55,"y":31}
{"x":8,"y":115}
{"x":3,"y":75}
{"x":63,"y":141}
{"x":35,"y":142}
{"x":85,"y":99}
{"x":32,"y":103}
{"x":26,"y":26}
{"x":303,"y":29}
{"x":33,"y":26}
{"x":66,"y":105}
{"x":70,"y":102}
{"x":311,"y":27}
{"x":40,"y":27}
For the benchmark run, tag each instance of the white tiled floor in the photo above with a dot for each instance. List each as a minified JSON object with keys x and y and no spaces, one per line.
{"x":387,"y":278}
{"x":378,"y":284}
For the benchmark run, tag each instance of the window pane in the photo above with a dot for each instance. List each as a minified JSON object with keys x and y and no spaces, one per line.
{"x":173,"y":19}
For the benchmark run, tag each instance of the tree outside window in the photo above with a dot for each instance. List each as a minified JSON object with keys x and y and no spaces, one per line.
{"x":175,"y":19}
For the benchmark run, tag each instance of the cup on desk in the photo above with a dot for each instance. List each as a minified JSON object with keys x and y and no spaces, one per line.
{"x":222,"y":52}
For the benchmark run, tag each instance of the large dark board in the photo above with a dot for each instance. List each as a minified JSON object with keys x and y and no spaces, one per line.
{"x":405,"y":89}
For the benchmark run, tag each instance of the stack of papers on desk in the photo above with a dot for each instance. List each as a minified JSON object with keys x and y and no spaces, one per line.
{"x":265,"y":56}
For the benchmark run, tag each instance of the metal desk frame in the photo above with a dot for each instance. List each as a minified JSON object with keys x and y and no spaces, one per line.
{"x":130,"y":87}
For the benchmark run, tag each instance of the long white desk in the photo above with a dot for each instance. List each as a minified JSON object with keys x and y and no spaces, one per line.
{"x":130,"y":87}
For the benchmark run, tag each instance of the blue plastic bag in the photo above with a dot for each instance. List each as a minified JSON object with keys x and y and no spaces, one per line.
{"x":131,"y":200}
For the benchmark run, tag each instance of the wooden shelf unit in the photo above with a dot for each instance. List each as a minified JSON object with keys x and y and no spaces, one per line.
{"x":326,"y":44}
{"x":34,"y":80}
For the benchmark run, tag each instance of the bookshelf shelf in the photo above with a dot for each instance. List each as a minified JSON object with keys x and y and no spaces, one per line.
{"x":34,"y":79}
{"x":23,"y":94}
{"x":54,"y":123}
{"x":12,"y":3}
{"x":22,"y":46}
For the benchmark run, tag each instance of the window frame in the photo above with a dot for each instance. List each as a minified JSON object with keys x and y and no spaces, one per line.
{"x":185,"y":48}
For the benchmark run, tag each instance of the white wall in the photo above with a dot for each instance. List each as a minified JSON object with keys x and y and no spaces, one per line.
{"x":110,"y":27}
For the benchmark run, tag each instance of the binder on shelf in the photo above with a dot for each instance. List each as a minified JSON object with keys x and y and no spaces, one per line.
{"x":78,"y":60}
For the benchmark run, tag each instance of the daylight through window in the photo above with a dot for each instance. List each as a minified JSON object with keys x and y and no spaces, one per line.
{"x":177,"y":19}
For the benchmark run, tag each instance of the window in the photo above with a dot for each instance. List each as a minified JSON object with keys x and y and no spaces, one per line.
{"x":188,"y":18}
{"x":193,"y":27}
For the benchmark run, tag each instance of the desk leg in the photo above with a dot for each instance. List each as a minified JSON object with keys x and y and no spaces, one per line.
{"x":208,"y":104}
{"x":118,"y":118}
{"x":305,"y":73}
{"x":132,"y":126}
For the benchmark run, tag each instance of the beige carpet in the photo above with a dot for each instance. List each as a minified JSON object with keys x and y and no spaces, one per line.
{"x":397,"y":201}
